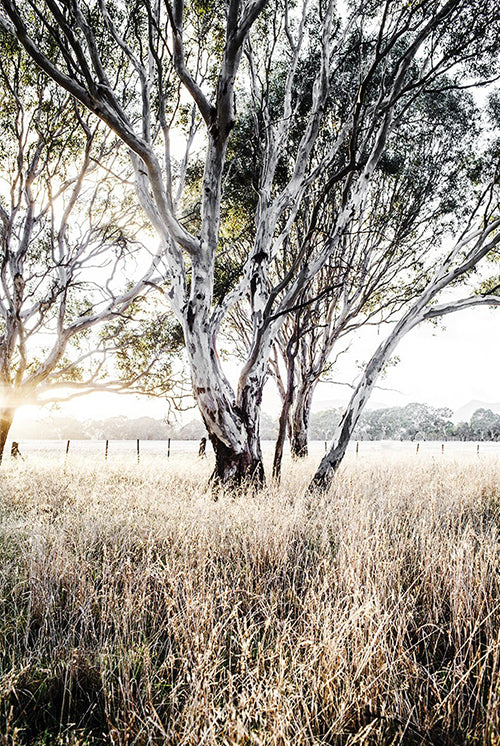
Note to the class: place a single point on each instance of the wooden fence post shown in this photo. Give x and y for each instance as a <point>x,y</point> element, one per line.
<point>67,450</point>
<point>357,447</point>
<point>138,451</point>
<point>106,451</point>
<point>418,446</point>
<point>168,448</point>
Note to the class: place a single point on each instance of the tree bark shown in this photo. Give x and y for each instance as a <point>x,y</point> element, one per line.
<point>280,441</point>
<point>284,422</point>
<point>232,426</point>
<point>6,418</point>
<point>249,403</point>
<point>343,433</point>
<point>233,468</point>
<point>300,420</point>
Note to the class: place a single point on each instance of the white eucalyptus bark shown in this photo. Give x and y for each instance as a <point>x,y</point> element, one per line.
<point>345,428</point>
<point>35,292</point>
<point>233,419</point>
<point>420,311</point>
<point>232,422</point>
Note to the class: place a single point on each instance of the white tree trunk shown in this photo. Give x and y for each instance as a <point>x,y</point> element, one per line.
<point>233,427</point>
<point>345,428</point>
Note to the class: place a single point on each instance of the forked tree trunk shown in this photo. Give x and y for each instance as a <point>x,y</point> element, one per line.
<point>240,462</point>
<point>233,427</point>
<point>6,418</point>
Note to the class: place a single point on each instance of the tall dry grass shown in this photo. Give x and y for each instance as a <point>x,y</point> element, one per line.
<point>136,610</point>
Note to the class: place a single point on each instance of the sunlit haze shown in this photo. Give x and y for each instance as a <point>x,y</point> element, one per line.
<point>448,365</point>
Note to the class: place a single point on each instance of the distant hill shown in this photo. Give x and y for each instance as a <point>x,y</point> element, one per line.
<point>465,413</point>
<point>58,427</point>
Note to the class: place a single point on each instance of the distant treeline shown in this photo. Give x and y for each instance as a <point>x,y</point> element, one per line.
<point>58,427</point>
<point>113,428</point>
<point>413,422</point>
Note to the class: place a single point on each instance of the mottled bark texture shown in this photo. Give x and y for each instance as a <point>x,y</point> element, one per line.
<point>232,425</point>
<point>393,72</point>
<point>300,421</point>
<point>234,469</point>
<point>345,428</point>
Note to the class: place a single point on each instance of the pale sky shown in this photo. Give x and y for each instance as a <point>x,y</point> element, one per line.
<point>447,366</point>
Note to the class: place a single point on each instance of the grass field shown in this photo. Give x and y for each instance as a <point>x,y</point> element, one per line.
<point>136,610</point>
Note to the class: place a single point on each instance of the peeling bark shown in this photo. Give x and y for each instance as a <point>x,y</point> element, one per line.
<point>483,240</point>
<point>331,462</point>
<point>234,469</point>
<point>232,426</point>
<point>251,411</point>
<point>232,420</point>
<point>343,433</point>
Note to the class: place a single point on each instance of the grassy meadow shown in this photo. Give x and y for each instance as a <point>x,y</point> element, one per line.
<point>136,610</point>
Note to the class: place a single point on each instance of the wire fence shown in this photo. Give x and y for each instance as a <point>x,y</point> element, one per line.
<point>140,449</point>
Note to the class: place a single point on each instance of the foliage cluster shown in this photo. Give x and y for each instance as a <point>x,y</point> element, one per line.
<point>412,422</point>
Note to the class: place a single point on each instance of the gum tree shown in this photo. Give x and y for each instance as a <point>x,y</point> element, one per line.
<point>68,245</point>
<point>473,246</point>
<point>417,194</point>
<point>129,63</point>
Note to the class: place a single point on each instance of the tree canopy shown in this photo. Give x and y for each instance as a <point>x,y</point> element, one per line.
<point>71,243</point>
<point>336,99</point>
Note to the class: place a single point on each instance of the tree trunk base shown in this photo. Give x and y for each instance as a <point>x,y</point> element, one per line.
<point>233,470</point>
<point>298,447</point>
<point>327,469</point>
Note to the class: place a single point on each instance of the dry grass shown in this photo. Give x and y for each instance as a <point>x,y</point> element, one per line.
<point>136,610</point>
